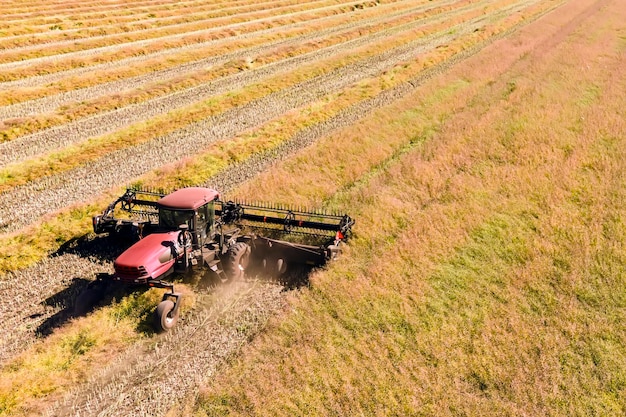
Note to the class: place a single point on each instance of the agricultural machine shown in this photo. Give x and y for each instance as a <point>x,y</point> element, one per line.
<point>192,228</point>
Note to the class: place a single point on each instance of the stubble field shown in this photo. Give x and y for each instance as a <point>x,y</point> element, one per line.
<point>479,145</point>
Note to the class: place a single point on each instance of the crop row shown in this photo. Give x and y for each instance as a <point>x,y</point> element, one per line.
<point>211,61</point>
<point>307,57</point>
<point>75,25</point>
<point>144,41</point>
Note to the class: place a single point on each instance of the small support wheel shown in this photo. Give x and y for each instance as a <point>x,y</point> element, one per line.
<point>166,315</point>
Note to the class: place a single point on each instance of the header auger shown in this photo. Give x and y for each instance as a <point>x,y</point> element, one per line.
<point>192,228</point>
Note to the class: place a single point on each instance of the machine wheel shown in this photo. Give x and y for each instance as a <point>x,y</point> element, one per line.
<point>165,316</point>
<point>237,260</point>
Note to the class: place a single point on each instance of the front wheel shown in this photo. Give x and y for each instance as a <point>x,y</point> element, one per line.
<point>165,315</point>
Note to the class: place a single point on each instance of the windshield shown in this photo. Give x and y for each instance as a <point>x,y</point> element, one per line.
<point>172,219</point>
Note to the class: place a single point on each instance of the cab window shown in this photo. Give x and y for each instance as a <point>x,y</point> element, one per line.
<point>172,219</point>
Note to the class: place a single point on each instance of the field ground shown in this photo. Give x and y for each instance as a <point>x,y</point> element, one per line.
<point>479,145</point>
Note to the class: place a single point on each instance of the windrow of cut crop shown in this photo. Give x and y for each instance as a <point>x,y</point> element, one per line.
<point>229,62</point>
<point>151,40</point>
<point>222,42</point>
<point>78,26</point>
<point>111,15</point>
<point>68,159</point>
<point>46,9</point>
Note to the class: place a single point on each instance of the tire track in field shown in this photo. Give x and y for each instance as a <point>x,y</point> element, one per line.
<point>85,182</point>
<point>174,365</point>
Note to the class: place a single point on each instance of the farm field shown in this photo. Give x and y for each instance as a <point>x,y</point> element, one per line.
<point>478,143</point>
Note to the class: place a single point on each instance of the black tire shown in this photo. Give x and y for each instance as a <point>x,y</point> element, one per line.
<point>86,300</point>
<point>165,316</point>
<point>237,260</point>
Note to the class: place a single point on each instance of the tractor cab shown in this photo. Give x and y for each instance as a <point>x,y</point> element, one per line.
<point>194,207</point>
<point>184,219</point>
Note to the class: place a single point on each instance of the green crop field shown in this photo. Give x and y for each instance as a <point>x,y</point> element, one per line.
<point>479,144</point>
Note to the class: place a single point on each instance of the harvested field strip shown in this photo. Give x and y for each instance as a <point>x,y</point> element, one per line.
<point>213,333</point>
<point>108,56</point>
<point>229,58</point>
<point>84,26</point>
<point>42,372</point>
<point>146,41</point>
<point>19,126</point>
<point>120,358</point>
<point>192,54</point>
<point>48,11</point>
<point>113,14</point>
<point>52,7</point>
<point>110,34</point>
<point>476,299</point>
<point>69,158</point>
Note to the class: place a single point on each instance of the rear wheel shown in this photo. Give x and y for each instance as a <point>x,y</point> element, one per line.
<point>237,260</point>
<point>165,315</point>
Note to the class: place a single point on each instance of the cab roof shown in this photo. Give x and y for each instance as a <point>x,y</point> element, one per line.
<point>188,198</point>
